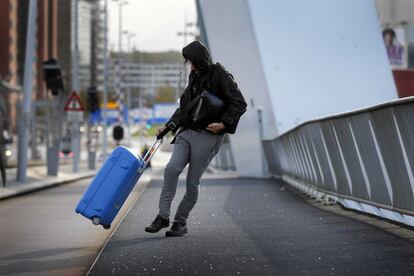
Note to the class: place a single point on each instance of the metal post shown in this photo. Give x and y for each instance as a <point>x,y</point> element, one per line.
<point>119,84</point>
<point>105,91</point>
<point>140,99</point>
<point>75,55</point>
<point>185,33</point>
<point>55,107</point>
<point>120,96</point>
<point>89,140</point>
<point>129,91</point>
<point>118,78</point>
<point>27,93</point>
<point>35,155</point>
<point>265,169</point>
<point>35,130</point>
<point>120,30</point>
<point>129,114</point>
<point>75,87</point>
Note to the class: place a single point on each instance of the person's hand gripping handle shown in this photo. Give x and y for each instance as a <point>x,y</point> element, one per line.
<point>162,131</point>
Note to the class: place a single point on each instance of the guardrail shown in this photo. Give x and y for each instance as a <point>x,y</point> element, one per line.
<point>363,159</point>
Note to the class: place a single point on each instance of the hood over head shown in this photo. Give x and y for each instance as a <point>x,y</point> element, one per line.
<point>198,54</point>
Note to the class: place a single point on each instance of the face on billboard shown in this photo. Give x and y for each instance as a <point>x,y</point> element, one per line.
<point>394,40</point>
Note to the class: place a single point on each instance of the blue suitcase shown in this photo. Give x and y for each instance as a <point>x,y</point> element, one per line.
<point>112,184</point>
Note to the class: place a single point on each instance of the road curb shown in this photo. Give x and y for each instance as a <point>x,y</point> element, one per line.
<point>26,188</point>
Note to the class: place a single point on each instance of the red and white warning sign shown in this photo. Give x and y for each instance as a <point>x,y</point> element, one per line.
<point>74,107</point>
<point>74,103</point>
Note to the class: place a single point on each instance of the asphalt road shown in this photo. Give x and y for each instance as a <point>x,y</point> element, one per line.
<point>252,227</point>
<point>40,234</point>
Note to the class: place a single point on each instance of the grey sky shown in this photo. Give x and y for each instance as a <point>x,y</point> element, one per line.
<point>154,22</point>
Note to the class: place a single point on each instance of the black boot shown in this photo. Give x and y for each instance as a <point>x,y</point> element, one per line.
<point>177,229</point>
<point>157,225</point>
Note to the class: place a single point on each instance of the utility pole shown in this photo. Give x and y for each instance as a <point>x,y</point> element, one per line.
<point>119,84</point>
<point>185,33</point>
<point>75,86</point>
<point>27,93</point>
<point>118,78</point>
<point>140,100</point>
<point>52,74</point>
<point>105,89</point>
<point>129,36</point>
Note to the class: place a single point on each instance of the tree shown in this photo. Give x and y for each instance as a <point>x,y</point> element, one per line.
<point>165,95</point>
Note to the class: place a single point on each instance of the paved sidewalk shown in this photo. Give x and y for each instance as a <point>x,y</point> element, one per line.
<point>37,179</point>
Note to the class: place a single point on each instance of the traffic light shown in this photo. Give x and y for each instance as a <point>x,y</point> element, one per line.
<point>53,76</point>
<point>66,145</point>
<point>118,133</point>
<point>93,99</point>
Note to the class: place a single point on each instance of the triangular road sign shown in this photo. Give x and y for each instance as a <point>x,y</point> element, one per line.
<point>74,103</point>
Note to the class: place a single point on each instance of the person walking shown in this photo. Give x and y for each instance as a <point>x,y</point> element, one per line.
<point>196,143</point>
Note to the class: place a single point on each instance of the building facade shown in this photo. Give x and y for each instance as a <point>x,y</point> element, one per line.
<point>47,46</point>
<point>97,45</point>
<point>398,16</point>
<point>8,61</point>
<point>395,12</point>
<point>54,35</point>
<point>149,77</point>
<point>90,42</point>
<point>13,30</point>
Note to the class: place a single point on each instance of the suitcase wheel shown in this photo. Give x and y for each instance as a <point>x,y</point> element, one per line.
<point>106,226</point>
<point>96,220</point>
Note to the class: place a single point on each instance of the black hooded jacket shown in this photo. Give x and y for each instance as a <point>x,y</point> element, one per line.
<point>218,80</point>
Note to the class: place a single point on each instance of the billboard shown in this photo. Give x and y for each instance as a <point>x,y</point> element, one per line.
<point>394,40</point>
<point>163,112</point>
<point>158,114</point>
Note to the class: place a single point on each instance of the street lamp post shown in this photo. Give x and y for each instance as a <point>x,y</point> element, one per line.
<point>184,34</point>
<point>75,86</point>
<point>118,79</point>
<point>27,93</point>
<point>129,36</point>
<point>105,88</point>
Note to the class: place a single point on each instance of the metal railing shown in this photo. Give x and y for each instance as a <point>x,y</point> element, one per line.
<point>224,159</point>
<point>363,159</point>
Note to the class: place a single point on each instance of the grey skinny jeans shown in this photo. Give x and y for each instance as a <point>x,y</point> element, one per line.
<point>196,149</point>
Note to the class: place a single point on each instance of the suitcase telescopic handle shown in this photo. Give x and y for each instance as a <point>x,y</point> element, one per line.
<point>151,151</point>
<point>163,133</point>
<point>170,126</point>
